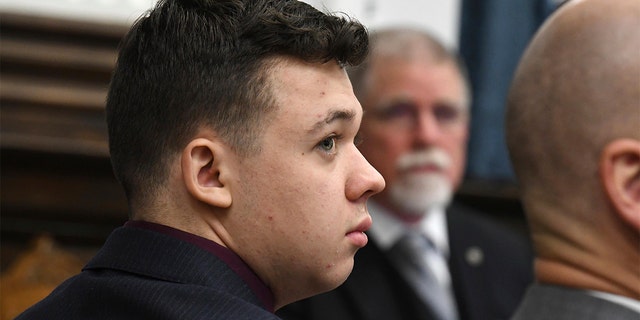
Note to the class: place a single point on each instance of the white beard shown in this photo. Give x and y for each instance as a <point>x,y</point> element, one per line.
<point>417,193</point>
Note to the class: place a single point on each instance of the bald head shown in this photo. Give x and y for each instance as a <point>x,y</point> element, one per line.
<point>573,133</point>
<point>576,89</point>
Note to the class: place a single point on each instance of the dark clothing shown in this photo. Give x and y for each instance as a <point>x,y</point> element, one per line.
<point>149,274</point>
<point>490,269</point>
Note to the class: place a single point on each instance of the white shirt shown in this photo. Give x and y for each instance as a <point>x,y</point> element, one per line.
<point>632,304</point>
<point>387,229</point>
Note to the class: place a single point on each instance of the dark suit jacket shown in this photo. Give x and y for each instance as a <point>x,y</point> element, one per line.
<point>142,274</point>
<point>490,268</point>
<point>544,302</point>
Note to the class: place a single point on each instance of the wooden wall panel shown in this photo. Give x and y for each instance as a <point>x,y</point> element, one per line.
<point>55,172</point>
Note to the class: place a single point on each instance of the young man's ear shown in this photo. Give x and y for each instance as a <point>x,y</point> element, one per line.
<point>620,174</point>
<point>204,167</point>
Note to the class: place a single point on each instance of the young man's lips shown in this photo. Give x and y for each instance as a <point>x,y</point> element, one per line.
<point>357,236</point>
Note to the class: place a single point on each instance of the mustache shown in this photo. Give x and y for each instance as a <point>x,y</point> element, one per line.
<point>431,157</point>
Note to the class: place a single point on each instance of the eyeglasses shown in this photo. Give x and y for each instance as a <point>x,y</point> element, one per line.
<point>405,115</point>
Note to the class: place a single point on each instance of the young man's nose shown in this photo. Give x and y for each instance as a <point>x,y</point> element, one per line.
<point>365,181</point>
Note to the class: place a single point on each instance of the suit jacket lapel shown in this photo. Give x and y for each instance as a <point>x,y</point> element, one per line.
<point>466,266</point>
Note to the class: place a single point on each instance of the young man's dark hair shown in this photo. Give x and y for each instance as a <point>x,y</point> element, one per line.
<point>196,63</point>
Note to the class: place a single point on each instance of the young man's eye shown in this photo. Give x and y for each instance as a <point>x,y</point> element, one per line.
<point>328,144</point>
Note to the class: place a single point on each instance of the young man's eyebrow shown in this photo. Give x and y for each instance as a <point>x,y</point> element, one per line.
<point>332,116</point>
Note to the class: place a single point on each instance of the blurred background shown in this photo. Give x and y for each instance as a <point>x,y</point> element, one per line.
<point>58,197</point>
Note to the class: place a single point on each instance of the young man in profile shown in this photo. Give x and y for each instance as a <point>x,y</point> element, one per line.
<point>415,129</point>
<point>231,128</point>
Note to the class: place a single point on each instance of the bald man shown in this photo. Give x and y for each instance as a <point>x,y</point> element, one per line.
<point>573,132</point>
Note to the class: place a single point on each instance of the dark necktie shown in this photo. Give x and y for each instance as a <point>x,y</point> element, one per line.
<point>413,254</point>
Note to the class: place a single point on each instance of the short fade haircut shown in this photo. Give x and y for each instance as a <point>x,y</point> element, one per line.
<point>192,64</point>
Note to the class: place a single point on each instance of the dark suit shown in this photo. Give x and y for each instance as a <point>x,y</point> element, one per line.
<point>490,269</point>
<point>544,302</point>
<point>142,274</point>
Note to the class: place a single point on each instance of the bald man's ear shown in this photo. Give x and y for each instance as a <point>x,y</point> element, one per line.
<point>620,174</point>
<point>204,167</point>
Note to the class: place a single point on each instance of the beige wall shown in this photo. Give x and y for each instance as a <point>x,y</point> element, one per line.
<point>439,17</point>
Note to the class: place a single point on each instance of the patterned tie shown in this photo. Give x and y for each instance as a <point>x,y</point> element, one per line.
<point>413,254</point>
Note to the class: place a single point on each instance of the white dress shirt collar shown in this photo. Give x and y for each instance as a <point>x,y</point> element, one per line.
<point>632,304</point>
<point>387,228</point>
